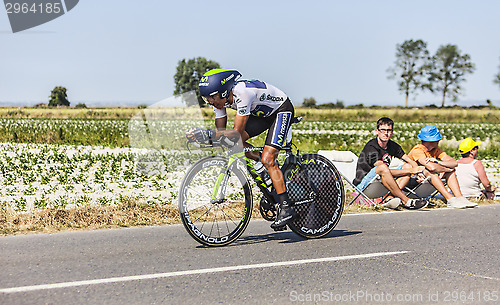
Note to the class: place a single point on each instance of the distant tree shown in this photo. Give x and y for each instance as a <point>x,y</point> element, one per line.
<point>40,105</point>
<point>356,106</point>
<point>497,78</point>
<point>189,73</point>
<point>58,97</point>
<point>309,102</point>
<point>409,68</point>
<point>81,105</point>
<point>447,72</point>
<point>337,105</point>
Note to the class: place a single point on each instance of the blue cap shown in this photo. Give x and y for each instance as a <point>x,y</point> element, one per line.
<point>429,133</point>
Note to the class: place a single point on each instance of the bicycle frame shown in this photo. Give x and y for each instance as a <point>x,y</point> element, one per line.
<point>220,185</point>
<point>238,154</point>
<point>217,182</point>
<point>218,192</point>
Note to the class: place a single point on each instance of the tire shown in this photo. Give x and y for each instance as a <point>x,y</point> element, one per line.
<point>322,199</point>
<point>214,223</point>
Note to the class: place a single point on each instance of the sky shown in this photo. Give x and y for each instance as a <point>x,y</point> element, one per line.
<point>118,52</point>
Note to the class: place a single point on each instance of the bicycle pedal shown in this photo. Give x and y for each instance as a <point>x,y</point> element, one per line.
<point>279,229</point>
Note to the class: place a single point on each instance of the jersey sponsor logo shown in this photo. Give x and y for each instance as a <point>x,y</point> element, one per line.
<point>275,98</point>
<point>242,110</point>
<point>280,140</point>
<point>262,97</point>
<point>285,120</point>
<point>262,111</point>
<point>281,128</point>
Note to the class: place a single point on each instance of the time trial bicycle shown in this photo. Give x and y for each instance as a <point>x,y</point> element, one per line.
<point>216,201</point>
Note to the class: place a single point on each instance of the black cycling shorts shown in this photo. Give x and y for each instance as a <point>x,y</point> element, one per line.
<point>277,125</point>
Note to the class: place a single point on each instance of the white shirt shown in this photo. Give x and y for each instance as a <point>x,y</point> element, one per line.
<point>253,97</point>
<point>468,179</point>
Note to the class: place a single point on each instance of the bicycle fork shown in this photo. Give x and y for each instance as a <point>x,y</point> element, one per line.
<point>219,191</point>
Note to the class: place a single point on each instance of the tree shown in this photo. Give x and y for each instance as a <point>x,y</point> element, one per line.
<point>337,105</point>
<point>409,68</point>
<point>81,106</point>
<point>58,97</point>
<point>497,77</point>
<point>309,102</point>
<point>447,71</point>
<point>189,73</point>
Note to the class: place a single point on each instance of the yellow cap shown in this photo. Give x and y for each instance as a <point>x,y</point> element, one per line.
<point>467,145</point>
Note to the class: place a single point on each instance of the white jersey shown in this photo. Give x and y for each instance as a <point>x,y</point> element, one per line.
<point>253,97</point>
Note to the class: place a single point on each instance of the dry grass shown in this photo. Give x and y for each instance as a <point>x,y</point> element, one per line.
<point>130,214</point>
<point>362,114</point>
<point>87,218</point>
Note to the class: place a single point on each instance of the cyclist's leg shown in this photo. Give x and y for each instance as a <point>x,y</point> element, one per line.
<point>276,138</point>
<point>269,159</point>
<point>285,211</point>
<point>254,127</point>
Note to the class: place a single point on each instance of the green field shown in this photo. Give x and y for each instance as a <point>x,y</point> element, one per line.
<point>72,168</point>
<point>341,129</point>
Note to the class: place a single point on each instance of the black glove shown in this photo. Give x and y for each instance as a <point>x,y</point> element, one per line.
<point>204,136</point>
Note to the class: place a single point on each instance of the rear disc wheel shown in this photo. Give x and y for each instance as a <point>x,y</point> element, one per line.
<point>317,191</point>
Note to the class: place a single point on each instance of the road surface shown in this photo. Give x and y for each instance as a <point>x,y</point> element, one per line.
<point>443,256</point>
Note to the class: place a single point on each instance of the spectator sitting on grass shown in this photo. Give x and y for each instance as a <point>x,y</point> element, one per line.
<point>440,166</point>
<point>471,173</point>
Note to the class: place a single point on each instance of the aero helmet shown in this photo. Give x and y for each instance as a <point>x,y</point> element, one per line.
<point>219,81</point>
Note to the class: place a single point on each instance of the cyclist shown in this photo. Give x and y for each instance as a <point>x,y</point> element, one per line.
<point>259,107</point>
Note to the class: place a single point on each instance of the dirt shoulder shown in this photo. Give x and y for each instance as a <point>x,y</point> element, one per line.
<point>126,215</point>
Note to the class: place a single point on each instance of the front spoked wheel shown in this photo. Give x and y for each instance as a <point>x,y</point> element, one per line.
<point>318,192</point>
<point>215,202</point>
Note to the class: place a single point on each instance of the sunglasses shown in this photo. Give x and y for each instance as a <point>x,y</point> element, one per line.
<point>385,130</point>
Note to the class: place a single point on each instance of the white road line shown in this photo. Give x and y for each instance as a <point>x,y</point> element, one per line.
<point>192,272</point>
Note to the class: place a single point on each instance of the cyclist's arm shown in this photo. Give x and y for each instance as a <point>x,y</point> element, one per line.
<point>240,121</point>
<point>220,123</point>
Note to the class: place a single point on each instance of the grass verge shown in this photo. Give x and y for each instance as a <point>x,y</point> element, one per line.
<point>129,214</point>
